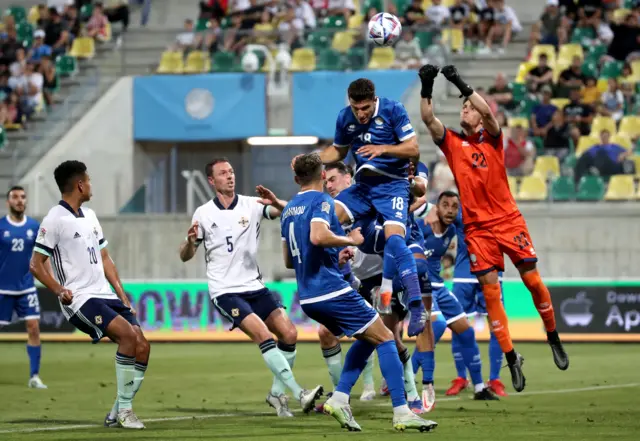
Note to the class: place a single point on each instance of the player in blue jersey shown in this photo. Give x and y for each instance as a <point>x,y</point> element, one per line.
<point>312,237</point>
<point>17,289</point>
<point>438,237</point>
<point>469,292</point>
<point>380,135</point>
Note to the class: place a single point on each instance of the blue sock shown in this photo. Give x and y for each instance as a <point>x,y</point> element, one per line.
<point>439,326</point>
<point>406,266</point>
<point>34,353</point>
<point>495,358</point>
<point>392,371</point>
<point>389,268</point>
<point>471,355</point>
<point>354,363</point>
<point>415,361</point>
<point>428,364</point>
<point>456,350</point>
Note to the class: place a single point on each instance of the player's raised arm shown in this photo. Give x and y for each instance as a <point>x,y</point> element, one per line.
<point>273,205</point>
<point>428,74</point>
<point>322,236</point>
<point>333,153</point>
<point>489,121</point>
<point>189,245</point>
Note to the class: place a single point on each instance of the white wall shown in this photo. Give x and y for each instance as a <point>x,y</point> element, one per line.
<point>103,140</point>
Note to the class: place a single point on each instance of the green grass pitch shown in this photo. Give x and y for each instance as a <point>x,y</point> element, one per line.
<point>216,392</point>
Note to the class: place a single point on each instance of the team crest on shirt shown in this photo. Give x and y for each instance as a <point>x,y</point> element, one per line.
<point>446,242</point>
<point>6,234</point>
<point>42,233</point>
<point>95,231</point>
<point>243,221</point>
<point>29,233</point>
<point>325,207</point>
<point>379,121</point>
<point>98,319</point>
<point>473,259</point>
<point>351,128</point>
<point>235,312</point>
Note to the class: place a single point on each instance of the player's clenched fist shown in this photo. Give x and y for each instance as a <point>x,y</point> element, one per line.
<point>428,72</point>
<point>356,236</point>
<point>65,296</point>
<point>451,73</point>
<point>192,234</point>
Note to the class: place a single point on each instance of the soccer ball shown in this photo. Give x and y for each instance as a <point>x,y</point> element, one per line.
<point>250,62</point>
<point>384,29</point>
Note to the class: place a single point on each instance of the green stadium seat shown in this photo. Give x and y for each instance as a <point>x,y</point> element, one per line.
<point>563,189</point>
<point>318,40</point>
<point>519,91</point>
<point>356,58</point>
<point>583,36</point>
<point>538,141</point>
<point>526,106</point>
<point>225,22</point>
<point>3,138</point>
<point>18,12</point>
<point>334,22</point>
<point>329,59</point>
<point>611,69</point>
<point>86,10</point>
<point>401,6</point>
<point>425,39</point>
<point>378,4</point>
<point>24,33</point>
<point>202,24</point>
<point>590,188</point>
<point>224,62</point>
<point>66,65</point>
<point>595,52</point>
<point>590,69</point>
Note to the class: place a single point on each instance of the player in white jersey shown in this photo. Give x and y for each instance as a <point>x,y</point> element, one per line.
<point>71,238</point>
<point>229,228</point>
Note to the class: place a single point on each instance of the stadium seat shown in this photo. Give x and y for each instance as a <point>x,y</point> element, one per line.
<point>263,34</point>
<point>402,5</point>
<point>560,103</point>
<point>107,33</point>
<point>611,69</point>
<point>66,65</point>
<point>547,49</point>
<point>197,62</point>
<point>342,41</point>
<point>563,189</point>
<point>83,47</point>
<point>620,13</point>
<point>622,140</point>
<point>3,138</point>
<point>355,21</point>
<point>170,63</point>
<point>583,36</point>
<point>356,58</point>
<point>329,59</point>
<point>590,188</point>
<point>561,66</point>
<point>366,4</point>
<point>513,185</point>
<point>202,24</point>
<point>382,58</point>
<point>590,69</point>
<point>425,39</point>
<point>635,68</point>
<point>518,90</point>
<point>602,85</point>
<point>24,33</point>
<point>86,10</point>
<point>426,4</point>
<point>532,188</point>
<point>224,62</point>
<point>523,70</point>
<point>34,15</point>
<point>568,51</point>
<point>636,161</point>
<point>303,60</point>
<point>621,188</point>
<point>630,125</point>
<point>334,22</point>
<point>601,123</point>
<point>453,38</point>
<point>585,143</point>
<point>546,166</point>
<point>517,121</point>
<point>18,13</point>
<point>595,52</point>
<point>318,40</point>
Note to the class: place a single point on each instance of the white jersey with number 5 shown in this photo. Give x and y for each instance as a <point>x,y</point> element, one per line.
<point>230,238</point>
<point>73,243</point>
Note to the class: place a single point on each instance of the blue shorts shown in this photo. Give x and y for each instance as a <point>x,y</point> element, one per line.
<point>415,238</point>
<point>471,297</point>
<point>445,303</point>
<point>236,307</point>
<point>26,307</point>
<point>347,314</point>
<point>94,316</point>
<point>373,233</point>
<point>377,195</point>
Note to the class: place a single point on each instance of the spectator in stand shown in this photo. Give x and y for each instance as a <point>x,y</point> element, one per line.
<point>505,26</point>
<point>212,36</point>
<point>50,79</point>
<point>519,153</point>
<point>28,86</point>
<point>442,177</point>
<point>119,12</point>
<point>542,113</point>
<point>304,12</point>
<point>590,92</point>
<point>43,15</point>
<point>460,14</point>
<point>485,23</point>
<point>17,67</point>
<point>540,75</point>
<point>71,22</point>
<point>605,159</point>
<point>187,39</point>
<point>552,28</point>
<point>14,111</point>
<point>97,26</point>
<point>215,9</point>
<point>501,92</point>
<point>56,35</point>
<point>408,52</point>
<point>38,48</point>
<point>334,8</point>
<point>414,15</point>
<point>438,14</point>
<point>572,76</point>
<point>626,40</point>
<point>5,90</point>
<point>630,97</point>
<point>577,113</point>
<point>612,101</point>
<point>10,47</point>
<point>290,28</point>
<point>558,136</point>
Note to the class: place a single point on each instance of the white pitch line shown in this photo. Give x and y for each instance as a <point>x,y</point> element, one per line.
<point>250,414</point>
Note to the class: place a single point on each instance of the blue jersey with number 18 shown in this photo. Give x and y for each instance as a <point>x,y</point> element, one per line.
<point>389,125</point>
<point>317,271</point>
<point>16,246</point>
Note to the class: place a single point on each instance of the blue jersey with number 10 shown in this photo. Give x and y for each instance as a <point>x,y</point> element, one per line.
<point>16,247</point>
<point>389,125</point>
<point>317,270</point>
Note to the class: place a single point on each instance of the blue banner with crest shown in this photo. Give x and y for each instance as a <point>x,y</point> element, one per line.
<point>208,107</point>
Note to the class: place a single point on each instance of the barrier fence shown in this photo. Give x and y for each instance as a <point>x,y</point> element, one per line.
<point>178,310</point>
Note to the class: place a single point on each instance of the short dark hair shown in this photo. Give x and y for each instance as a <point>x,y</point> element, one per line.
<point>447,194</point>
<point>66,173</point>
<point>361,89</point>
<point>543,55</point>
<point>342,168</point>
<point>208,169</point>
<point>308,168</point>
<point>14,188</point>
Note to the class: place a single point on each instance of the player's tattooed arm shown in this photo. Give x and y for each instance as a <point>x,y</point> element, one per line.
<point>188,247</point>
<point>111,273</point>
<point>41,270</point>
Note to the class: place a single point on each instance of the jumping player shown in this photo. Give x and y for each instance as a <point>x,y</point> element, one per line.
<point>493,225</point>
<point>17,289</point>
<point>312,235</point>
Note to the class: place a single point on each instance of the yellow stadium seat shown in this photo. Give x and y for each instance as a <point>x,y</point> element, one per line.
<point>342,41</point>
<point>547,49</point>
<point>635,68</point>
<point>636,161</point>
<point>560,103</point>
<point>34,15</point>
<point>622,140</point>
<point>107,34</point>
<point>263,33</point>
<point>454,38</point>
<point>621,188</point>
<point>532,188</point>
<point>519,121</point>
<point>382,58</point>
<point>426,4</point>
<point>83,47</point>
<point>303,60</point>
<point>630,125</point>
<point>523,70</point>
<point>197,62</point>
<point>355,21</point>
<point>568,51</point>
<point>561,66</point>
<point>620,13</point>
<point>448,3</point>
<point>546,166</point>
<point>603,85</point>
<point>601,123</point>
<point>513,185</point>
<point>585,143</point>
<point>171,62</point>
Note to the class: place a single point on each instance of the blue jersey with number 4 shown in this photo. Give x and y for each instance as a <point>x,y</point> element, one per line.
<point>16,246</point>
<point>436,246</point>
<point>389,125</point>
<point>317,270</point>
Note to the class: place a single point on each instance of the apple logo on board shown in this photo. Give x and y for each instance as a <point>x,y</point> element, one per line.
<point>577,311</point>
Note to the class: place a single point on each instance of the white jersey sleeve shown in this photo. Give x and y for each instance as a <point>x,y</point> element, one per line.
<point>194,219</point>
<point>48,235</point>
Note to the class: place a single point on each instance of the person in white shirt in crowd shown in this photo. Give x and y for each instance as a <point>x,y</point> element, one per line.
<point>304,12</point>
<point>408,52</point>
<point>612,101</point>
<point>17,67</point>
<point>345,8</point>
<point>441,178</point>
<point>28,86</point>
<point>505,26</point>
<point>438,14</point>
<point>291,28</point>
<point>187,39</point>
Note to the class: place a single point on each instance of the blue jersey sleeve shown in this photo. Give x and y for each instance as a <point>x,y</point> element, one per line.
<point>401,125</point>
<point>341,138</point>
<point>422,170</point>
<point>323,210</point>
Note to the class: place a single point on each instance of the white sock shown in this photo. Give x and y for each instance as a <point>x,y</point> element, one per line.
<point>401,410</point>
<point>386,286</point>
<point>478,387</point>
<point>340,397</point>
